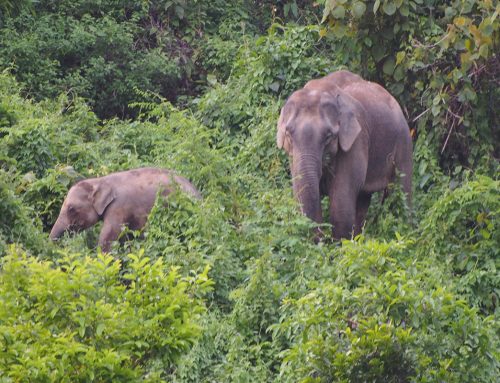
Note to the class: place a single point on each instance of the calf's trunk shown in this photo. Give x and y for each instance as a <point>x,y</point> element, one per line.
<point>58,229</point>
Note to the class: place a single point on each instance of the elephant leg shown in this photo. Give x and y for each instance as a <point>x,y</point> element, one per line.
<point>109,233</point>
<point>362,205</point>
<point>342,215</point>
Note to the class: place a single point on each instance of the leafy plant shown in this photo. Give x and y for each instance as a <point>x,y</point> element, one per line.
<point>403,302</point>
<point>383,318</point>
<point>77,320</point>
<point>438,59</point>
<point>461,227</point>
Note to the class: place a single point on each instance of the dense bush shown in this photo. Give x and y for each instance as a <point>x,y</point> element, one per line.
<point>231,288</point>
<point>385,317</point>
<point>95,60</point>
<point>103,51</point>
<point>272,65</point>
<point>440,59</point>
<point>461,228</point>
<point>78,321</point>
<point>16,226</point>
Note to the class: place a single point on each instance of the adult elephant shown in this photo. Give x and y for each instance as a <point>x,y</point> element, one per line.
<point>346,139</point>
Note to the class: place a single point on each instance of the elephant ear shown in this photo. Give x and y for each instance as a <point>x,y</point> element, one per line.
<point>329,111</point>
<point>286,116</point>
<point>102,195</point>
<point>349,123</point>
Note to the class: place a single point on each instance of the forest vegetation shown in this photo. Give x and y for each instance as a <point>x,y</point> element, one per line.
<point>233,288</point>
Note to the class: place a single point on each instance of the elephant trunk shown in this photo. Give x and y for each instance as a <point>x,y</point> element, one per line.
<point>306,174</point>
<point>58,229</point>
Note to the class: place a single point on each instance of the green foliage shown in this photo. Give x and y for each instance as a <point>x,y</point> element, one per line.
<point>45,195</point>
<point>462,228</point>
<point>384,317</point>
<point>94,59</point>
<point>15,223</point>
<point>77,321</point>
<point>406,301</point>
<point>273,65</point>
<point>104,50</point>
<point>13,7</point>
<point>439,59</point>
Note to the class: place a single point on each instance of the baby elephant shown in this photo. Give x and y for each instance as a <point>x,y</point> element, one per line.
<point>119,199</point>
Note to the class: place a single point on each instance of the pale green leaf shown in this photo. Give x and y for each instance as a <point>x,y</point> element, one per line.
<point>358,9</point>
<point>389,8</point>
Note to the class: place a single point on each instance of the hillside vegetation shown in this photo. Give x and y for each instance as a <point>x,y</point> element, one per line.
<point>233,288</point>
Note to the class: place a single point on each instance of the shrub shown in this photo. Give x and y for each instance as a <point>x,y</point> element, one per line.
<point>16,224</point>
<point>385,317</point>
<point>98,57</point>
<point>461,228</point>
<point>271,65</point>
<point>83,319</point>
<point>440,67</point>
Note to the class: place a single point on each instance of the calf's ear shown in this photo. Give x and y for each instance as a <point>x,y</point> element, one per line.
<point>102,195</point>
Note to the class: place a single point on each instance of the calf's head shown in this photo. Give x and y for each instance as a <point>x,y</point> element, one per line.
<point>84,205</point>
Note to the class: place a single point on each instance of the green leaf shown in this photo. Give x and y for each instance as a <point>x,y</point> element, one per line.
<point>484,51</point>
<point>404,10</point>
<point>486,28</point>
<point>485,233</point>
<point>399,73</point>
<point>376,5</point>
<point>389,8</point>
<point>400,56</point>
<point>99,329</point>
<point>211,79</point>
<point>179,11</point>
<point>358,9</point>
<point>286,9</point>
<point>450,12</point>
<point>54,312</point>
<point>389,65</point>
<point>378,51</point>
<point>339,30</point>
<point>338,12</point>
<point>275,86</point>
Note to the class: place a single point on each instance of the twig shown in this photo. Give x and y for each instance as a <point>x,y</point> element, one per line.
<point>418,44</point>
<point>448,136</point>
<point>453,124</point>
<point>421,114</point>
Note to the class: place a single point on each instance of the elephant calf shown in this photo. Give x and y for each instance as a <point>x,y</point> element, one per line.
<point>119,199</point>
<point>346,138</point>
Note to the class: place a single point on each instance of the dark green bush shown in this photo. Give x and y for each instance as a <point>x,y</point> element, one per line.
<point>386,317</point>
<point>272,65</point>
<point>438,59</point>
<point>99,57</point>
<point>16,224</point>
<point>403,302</point>
<point>461,228</point>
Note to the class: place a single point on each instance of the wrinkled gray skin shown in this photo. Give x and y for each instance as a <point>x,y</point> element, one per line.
<point>119,199</point>
<point>346,137</point>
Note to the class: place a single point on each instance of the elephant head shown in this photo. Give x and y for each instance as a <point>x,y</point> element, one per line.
<point>315,124</point>
<point>83,207</point>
